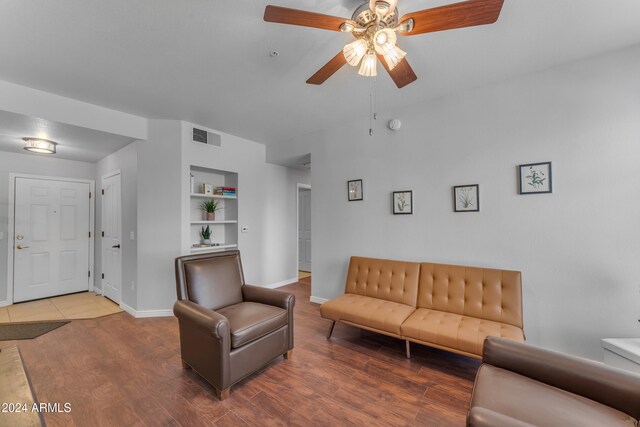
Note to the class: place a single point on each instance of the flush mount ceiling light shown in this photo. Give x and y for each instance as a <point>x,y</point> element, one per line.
<point>39,145</point>
<point>376,24</point>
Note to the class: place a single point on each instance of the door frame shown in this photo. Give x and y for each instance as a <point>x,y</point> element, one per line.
<point>105,176</point>
<point>11,218</point>
<point>299,186</point>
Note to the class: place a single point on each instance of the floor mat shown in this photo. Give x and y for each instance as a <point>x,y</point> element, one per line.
<point>27,330</point>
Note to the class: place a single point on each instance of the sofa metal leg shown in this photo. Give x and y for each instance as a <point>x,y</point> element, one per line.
<point>331,329</point>
<point>288,354</point>
<point>408,346</point>
<point>223,394</point>
<point>185,365</point>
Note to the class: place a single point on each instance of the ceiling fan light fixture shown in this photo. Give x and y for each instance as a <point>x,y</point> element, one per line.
<point>394,56</point>
<point>353,52</point>
<point>384,40</point>
<point>382,8</point>
<point>368,66</point>
<point>41,146</point>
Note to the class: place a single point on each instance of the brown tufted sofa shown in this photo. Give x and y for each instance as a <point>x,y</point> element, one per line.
<point>448,307</point>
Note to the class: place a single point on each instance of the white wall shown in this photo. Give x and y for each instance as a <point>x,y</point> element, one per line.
<point>578,248</point>
<point>159,211</point>
<point>125,160</point>
<point>36,165</point>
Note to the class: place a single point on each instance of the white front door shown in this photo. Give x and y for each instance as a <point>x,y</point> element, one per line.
<point>111,227</point>
<point>304,230</point>
<point>51,238</point>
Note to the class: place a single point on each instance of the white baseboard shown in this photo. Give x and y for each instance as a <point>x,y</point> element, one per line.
<point>318,300</point>
<point>4,303</point>
<point>283,283</point>
<point>140,314</point>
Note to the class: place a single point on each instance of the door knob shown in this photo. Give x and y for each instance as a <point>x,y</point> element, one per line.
<point>19,237</point>
<point>116,246</point>
<point>22,246</point>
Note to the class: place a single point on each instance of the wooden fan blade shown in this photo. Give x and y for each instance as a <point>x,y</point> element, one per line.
<point>458,15</point>
<point>328,70</point>
<point>402,74</point>
<point>284,15</point>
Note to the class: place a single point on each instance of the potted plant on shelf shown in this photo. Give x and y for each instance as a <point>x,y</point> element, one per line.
<point>206,236</point>
<point>210,207</point>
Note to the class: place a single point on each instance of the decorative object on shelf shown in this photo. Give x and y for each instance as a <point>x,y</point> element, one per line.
<point>206,235</point>
<point>466,198</point>
<point>210,207</point>
<point>225,191</point>
<point>535,178</point>
<point>207,189</point>
<point>192,183</point>
<point>376,24</point>
<point>403,202</point>
<point>355,190</point>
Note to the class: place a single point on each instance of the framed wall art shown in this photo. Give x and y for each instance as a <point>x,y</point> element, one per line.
<point>535,178</point>
<point>402,202</point>
<point>466,198</point>
<point>354,189</point>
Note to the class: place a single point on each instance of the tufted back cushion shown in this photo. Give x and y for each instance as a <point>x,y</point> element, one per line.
<point>395,281</point>
<point>482,293</point>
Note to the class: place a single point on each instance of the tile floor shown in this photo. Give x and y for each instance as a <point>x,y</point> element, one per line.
<point>85,305</point>
<point>303,274</point>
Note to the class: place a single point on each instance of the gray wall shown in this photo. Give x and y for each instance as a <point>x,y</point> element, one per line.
<point>578,248</point>
<point>35,165</point>
<point>126,160</point>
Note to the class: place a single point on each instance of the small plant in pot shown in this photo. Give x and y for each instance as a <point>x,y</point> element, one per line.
<point>206,235</point>
<point>210,207</point>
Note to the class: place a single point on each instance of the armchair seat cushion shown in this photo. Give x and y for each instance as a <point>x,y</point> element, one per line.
<point>249,321</point>
<point>451,330</point>
<point>376,313</point>
<point>511,395</point>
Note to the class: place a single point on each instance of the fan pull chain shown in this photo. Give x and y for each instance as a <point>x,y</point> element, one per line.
<point>373,115</point>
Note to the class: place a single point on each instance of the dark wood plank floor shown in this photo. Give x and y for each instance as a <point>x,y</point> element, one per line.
<point>121,371</point>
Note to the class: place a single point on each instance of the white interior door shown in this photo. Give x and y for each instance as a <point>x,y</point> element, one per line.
<point>111,227</point>
<point>51,238</point>
<point>304,230</point>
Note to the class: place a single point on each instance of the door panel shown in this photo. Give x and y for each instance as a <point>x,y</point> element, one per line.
<point>111,227</point>
<point>51,241</point>
<point>304,230</point>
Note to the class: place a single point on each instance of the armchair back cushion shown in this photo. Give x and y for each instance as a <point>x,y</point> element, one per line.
<point>395,281</point>
<point>210,280</point>
<point>482,293</point>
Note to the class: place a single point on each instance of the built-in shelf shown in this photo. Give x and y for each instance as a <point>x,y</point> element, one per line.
<point>230,221</point>
<point>199,249</point>
<point>212,196</point>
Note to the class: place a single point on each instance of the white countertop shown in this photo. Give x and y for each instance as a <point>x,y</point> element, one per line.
<point>629,348</point>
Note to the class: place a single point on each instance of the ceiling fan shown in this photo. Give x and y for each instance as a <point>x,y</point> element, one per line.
<point>375,26</point>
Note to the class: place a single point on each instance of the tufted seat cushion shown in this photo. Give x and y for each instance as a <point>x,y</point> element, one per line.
<point>366,311</point>
<point>454,331</point>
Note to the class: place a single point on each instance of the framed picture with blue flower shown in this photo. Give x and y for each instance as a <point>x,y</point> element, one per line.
<point>535,178</point>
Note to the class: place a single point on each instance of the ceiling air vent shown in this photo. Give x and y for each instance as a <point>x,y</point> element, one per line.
<point>208,138</point>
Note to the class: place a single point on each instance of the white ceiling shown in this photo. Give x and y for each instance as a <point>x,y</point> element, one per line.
<point>207,61</point>
<point>74,143</point>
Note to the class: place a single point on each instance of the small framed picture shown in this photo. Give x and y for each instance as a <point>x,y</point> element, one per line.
<point>207,189</point>
<point>402,202</point>
<point>535,178</point>
<point>466,198</point>
<point>354,188</point>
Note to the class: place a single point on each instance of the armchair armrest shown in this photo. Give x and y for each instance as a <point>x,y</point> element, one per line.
<point>610,386</point>
<point>268,296</point>
<point>481,417</point>
<point>202,318</point>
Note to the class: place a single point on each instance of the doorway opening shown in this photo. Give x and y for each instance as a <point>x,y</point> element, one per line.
<point>304,232</point>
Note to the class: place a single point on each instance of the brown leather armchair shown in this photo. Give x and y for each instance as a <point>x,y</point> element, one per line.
<point>228,329</point>
<point>521,385</point>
